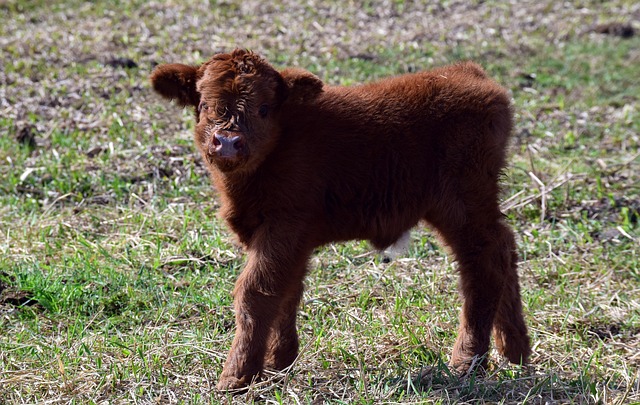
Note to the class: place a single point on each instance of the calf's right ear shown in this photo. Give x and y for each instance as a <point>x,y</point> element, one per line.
<point>176,81</point>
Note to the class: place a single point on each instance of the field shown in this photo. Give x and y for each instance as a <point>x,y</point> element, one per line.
<point>116,273</point>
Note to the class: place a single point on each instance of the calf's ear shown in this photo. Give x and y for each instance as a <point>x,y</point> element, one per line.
<point>301,84</point>
<point>176,81</point>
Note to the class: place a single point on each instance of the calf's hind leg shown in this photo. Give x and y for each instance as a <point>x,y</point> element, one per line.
<point>484,248</point>
<point>509,329</point>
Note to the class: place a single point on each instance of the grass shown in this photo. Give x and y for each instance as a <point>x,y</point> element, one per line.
<point>115,272</point>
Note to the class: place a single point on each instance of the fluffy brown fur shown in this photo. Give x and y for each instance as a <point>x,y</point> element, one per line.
<point>299,164</point>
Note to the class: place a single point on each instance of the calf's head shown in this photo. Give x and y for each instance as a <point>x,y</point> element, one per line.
<point>237,99</point>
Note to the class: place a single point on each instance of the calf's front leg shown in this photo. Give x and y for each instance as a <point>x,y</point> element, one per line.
<point>282,346</point>
<point>262,291</point>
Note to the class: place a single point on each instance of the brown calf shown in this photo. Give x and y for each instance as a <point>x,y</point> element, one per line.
<point>299,164</point>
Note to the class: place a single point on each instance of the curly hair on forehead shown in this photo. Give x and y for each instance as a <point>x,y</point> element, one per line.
<point>241,61</point>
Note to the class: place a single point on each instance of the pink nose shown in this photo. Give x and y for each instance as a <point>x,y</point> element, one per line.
<point>226,146</point>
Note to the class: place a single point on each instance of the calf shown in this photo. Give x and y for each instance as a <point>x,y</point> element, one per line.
<point>299,164</point>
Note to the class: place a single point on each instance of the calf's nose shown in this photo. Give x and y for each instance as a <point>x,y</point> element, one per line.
<point>226,146</point>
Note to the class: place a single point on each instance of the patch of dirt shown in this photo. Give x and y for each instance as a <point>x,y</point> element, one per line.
<point>608,210</point>
<point>27,136</point>
<point>17,298</point>
<point>604,331</point>
<point>121,63</point>
<point>624,30</point>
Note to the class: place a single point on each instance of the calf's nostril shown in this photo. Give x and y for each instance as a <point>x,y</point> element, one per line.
<point>217,139</point>
<point>211,148</point>
<point>237,143</point>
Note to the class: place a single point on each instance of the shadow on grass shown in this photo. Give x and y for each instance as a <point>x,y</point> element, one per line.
<point>511,385</point>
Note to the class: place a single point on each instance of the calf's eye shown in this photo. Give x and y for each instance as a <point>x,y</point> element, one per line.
<point>203,106</point>
<point>263,111</point>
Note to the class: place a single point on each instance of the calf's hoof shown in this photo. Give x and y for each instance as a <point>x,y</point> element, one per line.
<point>231,383</point>
<point>467,365</point>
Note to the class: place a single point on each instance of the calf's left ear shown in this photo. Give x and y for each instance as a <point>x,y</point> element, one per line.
<point>301,84</point>
<point>176,81</point>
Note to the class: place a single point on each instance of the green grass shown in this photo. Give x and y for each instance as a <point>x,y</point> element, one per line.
<point>116,273</point>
